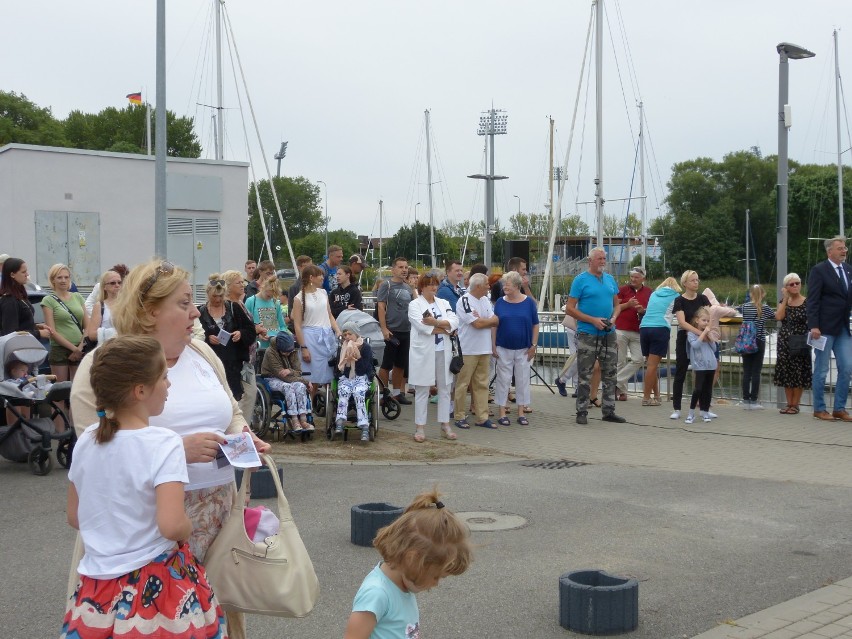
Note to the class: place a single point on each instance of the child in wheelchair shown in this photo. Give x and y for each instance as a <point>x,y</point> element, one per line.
<point>355,364</point>
<point>283,373</point>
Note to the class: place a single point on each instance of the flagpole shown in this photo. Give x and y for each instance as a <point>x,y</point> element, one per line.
<point>160,219</point>
<point>148,125</point>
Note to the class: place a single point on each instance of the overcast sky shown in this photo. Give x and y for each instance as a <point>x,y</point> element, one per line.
<point>347,84</point>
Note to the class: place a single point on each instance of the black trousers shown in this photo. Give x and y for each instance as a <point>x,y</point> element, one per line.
<point>681,368</point>
<point>703,390</point>
<point>752,365</point>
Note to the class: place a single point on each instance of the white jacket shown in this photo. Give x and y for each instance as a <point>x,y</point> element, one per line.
<point>421,354</point>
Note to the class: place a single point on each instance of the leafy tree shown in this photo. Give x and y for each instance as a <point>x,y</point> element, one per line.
<point>403,243</point>
<point>314,245</point>
<point>299,199</point>
<point>573,225</point>
<point>22,121</point>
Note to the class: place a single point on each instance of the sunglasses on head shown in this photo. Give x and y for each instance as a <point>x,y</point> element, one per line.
<point>165,268</point>
<point>217,282</point>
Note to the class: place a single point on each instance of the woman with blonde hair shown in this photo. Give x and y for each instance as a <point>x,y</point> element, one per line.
<point>654,332</point>
<point>685,306</point>
<point>156,300</point>
<point>757,312</point>
<point>65,316</point>
<point>100,326</point>
<point>793,369</point>
<point>235,287</point>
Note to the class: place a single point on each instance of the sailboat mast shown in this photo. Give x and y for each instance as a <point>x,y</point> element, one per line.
<point>554,219</point>
<point>220,124</point>
<point>839,152</point>
<point>429,189</point>
<point>599,120</point>
<point>642,182</point>
<point>381,234</point>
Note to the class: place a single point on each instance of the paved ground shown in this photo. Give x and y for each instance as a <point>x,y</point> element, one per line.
<point>725,527</point>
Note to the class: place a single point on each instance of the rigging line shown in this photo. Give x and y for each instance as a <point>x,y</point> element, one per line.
<point>631,68</point>
<point>259,139</point>
<point>544,189</point>
<point>583,128</point>
<point>620,80</point>
<point>191,29</point>
<point>415,170</point>
<point>826,72</point>
<point>627,202</point>
<point>199,58</point>
<point>561,191</point>
<point>655,163</point>
<point>845,113</point>
<point>199,75</point>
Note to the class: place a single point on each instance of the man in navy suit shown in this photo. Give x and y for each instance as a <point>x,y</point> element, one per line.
<point>828,305</point>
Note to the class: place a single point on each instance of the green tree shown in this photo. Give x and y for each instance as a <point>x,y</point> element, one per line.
<point>403,244</point>
<point>299,199</point>
<point>24,122</point>
<point>314,245</point>
<point>573,225</point>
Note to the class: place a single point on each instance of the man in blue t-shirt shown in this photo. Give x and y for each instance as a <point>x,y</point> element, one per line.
<point>593,302</point>
<point>329,267</point>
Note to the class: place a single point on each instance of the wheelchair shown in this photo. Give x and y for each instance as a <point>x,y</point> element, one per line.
<point>269,414</point>
<point>371,400</point>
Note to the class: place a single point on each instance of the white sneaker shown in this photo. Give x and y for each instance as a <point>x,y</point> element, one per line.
<point>711,415</point>
<point>707,418</point>
<point>689,419</point>
<point>745,404</point>
<point>365,435</point>
<point>675,415</point>
<point>756,406</point>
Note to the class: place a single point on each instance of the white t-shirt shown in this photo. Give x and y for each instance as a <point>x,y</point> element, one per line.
<point>474,341</point>
<point>316,311</point>
<point>197,404</point>
<point>116,484</point>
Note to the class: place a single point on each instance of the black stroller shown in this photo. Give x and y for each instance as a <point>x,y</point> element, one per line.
<point>33,404</point>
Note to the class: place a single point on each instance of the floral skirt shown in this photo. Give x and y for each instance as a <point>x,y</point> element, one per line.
<point>169,597</point>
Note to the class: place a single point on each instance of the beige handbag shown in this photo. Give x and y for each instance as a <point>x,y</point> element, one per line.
<point>272,577</point>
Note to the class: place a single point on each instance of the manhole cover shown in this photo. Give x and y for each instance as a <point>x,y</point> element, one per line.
<point>491,521</point>
<point>553,464</point>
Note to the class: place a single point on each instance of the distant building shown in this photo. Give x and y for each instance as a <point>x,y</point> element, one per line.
<point>93,209</point>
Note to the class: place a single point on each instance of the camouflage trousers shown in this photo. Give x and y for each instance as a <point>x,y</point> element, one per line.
<point>600,348</point>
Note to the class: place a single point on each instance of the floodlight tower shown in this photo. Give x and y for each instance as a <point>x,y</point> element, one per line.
<point>491,123</point>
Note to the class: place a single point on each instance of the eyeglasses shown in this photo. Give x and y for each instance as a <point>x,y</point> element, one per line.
<point>217,282</point>
<point>165,268</point>
<point>794,283</point>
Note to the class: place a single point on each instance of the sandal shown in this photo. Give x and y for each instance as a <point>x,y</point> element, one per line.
<point>504,421</point>
<point>794,410</point>
<point>523,421</point>
<point>786,410</point>
<point>654,402</point>
<point>419,435</point>
<point>646,402</point>
<point>447,433</point>
<point>595,402</point>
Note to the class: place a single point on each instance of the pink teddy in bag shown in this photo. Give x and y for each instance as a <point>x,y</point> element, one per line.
<point>260,523</point>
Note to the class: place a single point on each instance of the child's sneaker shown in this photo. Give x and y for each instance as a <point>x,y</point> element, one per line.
<point>707,418</point>
<point>675,415</point>
<point>338,428</point>
<point>365,434</point>
<point>689,418</point>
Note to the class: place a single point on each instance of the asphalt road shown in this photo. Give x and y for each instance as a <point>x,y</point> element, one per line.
<point>704,548</point>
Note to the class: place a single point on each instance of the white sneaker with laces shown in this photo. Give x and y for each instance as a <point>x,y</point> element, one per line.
<point>707,418</point>
<point>675,415</point>
<point>711,415</point>
<point>689,419</point>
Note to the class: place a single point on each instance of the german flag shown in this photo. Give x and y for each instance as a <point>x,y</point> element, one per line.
<point>135,98</point>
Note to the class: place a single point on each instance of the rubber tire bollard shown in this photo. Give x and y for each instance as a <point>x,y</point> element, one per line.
<point>262,486</point>
<point>595,602</point>
<point>367,519</point>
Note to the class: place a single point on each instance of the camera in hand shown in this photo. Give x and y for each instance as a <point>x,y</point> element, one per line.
<point>607,325</point>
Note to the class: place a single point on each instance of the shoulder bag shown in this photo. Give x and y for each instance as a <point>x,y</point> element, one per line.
<point>798,345</point>
<point>457,362</point>
<point>271,577</point>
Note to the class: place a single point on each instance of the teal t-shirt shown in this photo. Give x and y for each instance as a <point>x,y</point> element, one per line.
<point>397,615</point>
<point>268,314</point>
<point>595,298</point>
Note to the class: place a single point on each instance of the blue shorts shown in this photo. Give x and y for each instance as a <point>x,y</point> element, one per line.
<point>654,340</point>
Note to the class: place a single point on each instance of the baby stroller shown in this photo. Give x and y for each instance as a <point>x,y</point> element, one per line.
<point>370,330</point>
<point>33,407</point>
<point>370,400</point>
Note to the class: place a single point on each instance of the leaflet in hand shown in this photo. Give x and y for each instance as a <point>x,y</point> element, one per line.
<point>818,343</point>
<point>240,450</point>
<point>224,337</point>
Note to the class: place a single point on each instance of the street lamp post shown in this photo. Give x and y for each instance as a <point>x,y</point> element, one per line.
<point>491,123</point>
<point>325,201</point>
<point>786,51</point>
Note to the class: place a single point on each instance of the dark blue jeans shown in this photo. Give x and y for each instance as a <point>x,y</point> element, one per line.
<point>752,365</point>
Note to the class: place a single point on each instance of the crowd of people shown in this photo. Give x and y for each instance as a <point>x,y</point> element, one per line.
<point>151,343</point>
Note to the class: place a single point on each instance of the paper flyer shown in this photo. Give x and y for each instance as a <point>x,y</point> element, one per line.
<point>240,451</point>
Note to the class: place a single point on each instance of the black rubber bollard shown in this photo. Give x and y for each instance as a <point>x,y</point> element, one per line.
<point>368,518</point>
<point>262,486</point>
<point>595,602</point>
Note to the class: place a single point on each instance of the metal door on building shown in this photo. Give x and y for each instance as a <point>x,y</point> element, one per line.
<point>193,243</point>
<point>72,238</point>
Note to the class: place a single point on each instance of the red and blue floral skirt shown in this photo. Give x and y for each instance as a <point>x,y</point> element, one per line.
<point>169,597</point>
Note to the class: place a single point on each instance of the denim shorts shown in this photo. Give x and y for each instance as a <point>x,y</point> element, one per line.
<point>654,340</point>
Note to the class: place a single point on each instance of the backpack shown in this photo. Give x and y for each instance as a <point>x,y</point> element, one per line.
<point>746,342</point>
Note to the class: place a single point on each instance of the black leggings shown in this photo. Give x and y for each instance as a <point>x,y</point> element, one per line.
<point>681,368</point>
<point>703,390</point>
